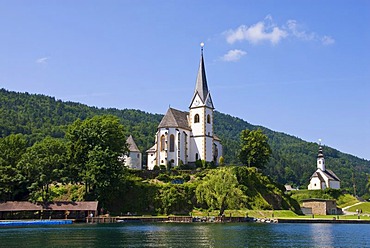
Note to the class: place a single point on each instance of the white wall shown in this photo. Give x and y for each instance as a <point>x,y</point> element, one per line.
<point>151,160</point>
<point>314,183</point>
<point>334,184</point>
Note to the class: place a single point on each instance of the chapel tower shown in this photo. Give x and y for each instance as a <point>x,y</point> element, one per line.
<point>321,160</point>
<point>201,118</point>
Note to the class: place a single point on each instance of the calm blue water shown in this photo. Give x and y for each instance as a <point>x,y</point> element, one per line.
<point>188,235</point>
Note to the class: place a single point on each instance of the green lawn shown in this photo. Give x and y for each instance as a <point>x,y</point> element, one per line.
<point>286,214</point>
<point>250,213</point>
<point>346,200</point>
<point>365,207</point>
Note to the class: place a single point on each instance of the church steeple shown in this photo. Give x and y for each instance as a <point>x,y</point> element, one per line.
<point>201,87</point>
<point>321,159</point>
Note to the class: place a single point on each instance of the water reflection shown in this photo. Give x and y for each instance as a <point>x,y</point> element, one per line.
<point>189,235</point>
<point>322,235</point>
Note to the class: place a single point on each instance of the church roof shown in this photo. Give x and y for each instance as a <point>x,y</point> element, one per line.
<point>152,149</point>
<point>132,145</point>
<point>175,118</point>
<point>318,174</point>
<point>332,175</point>
<point>327,173</point>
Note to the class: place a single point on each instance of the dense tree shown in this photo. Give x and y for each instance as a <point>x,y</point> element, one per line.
<point>254,149</point>
<point>95,145</point>
<point>174,199</point>
<point>44,164</point>
<point>12,148</point>
<point>219,189</point>
<point>38,116</point>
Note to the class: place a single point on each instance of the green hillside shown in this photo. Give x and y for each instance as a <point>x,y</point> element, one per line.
<point>293,160</point>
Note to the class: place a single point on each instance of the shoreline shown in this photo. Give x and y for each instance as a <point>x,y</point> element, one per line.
<point>181,219</point>
<point>329,221</point>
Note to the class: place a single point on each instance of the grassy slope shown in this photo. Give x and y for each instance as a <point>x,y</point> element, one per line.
<point>365,207</point>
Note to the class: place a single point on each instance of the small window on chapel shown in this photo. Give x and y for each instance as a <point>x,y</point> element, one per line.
<point>208,119</point>
<point>196,118</point>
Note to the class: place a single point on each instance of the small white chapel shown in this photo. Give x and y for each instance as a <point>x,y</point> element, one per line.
<point>133,159</point>
<point>185,137</point>
<point>323,178</point>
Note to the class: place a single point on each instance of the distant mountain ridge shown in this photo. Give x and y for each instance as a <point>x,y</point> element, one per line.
<point>293,160</point>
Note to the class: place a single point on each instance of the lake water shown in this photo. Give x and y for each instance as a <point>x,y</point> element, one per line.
<point>188,235</point>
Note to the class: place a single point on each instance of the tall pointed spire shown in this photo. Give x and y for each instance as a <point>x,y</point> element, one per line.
<point>201,86</point>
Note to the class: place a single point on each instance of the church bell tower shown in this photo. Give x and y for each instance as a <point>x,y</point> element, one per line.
<point>201,117</point>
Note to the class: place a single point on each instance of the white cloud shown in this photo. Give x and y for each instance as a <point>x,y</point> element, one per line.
<point>233,55</point>
<point>43,60</point>
<point>327,40</point>
<point>296,31</point>
<point>267,30</point>
<point>261,31</point>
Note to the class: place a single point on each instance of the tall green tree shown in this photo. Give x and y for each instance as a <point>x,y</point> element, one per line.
<point>220,190</point>
<point>12,148</point>
<point>44,164</point>
<point>95,145</point>
<point>254,149</point>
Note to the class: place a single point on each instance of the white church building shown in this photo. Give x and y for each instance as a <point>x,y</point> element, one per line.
<point>323,178</point>
<point>186,137</point>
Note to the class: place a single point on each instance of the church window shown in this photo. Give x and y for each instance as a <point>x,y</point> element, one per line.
<point>172,143</point>
<point>196,156</point>
<point>196,118</point>
<point>163,143</point>
<point>209,119</point>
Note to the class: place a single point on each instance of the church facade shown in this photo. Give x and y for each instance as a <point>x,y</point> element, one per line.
<point>323,178</point>
<point>184,137</point>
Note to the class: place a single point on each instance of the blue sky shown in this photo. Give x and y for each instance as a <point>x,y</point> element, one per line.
<point>298,67</point>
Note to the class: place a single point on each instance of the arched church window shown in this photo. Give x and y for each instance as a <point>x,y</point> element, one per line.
<point>172,143</point>
<point>163,143</point>
<point>196,156</point>
<point>196,118</point>
<point>209,119</point>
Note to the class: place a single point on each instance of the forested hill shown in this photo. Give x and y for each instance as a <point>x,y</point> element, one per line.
<point>293,160</point>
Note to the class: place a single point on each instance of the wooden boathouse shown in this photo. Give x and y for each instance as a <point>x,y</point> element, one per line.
<point>50,210</point>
